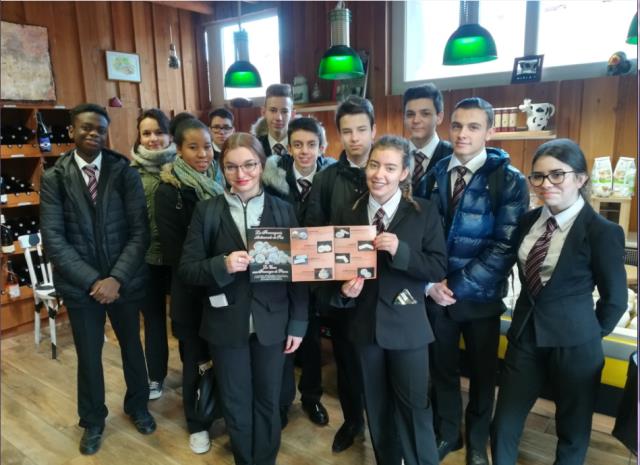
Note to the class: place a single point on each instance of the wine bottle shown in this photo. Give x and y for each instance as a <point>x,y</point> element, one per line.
<point>6,239</point>
<point>12,283</point>
<point>44,134</point>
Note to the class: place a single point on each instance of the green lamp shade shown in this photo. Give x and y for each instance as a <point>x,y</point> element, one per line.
<point>471,43</point>
<point>632,35</point>
<point>242,74</point>
<point>340,62</point>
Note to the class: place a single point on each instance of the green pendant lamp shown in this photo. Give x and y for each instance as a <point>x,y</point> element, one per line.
<point>632,35</point>
<point>242,74</point>
<point>470,43</point>
<point>340,61</point>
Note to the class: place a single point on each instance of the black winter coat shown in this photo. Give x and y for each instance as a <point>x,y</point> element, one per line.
<point>86,243</point>
<point>174,207</point>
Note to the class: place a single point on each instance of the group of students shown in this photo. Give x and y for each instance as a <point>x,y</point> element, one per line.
<point>451,221</point>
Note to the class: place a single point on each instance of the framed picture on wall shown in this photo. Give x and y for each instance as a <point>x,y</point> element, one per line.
<point>123,66</point>
<point>527,69</point>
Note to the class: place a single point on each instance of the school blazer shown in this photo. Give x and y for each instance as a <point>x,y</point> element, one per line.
<point>443,149</point>
<point>375,317</point>
<point>278,308</point>
<point>563,312</point>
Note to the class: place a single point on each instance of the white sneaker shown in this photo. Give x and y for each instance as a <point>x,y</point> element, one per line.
<point>155,390</point>
<point>200,442</point>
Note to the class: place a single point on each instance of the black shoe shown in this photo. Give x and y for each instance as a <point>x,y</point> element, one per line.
<point>144,422</point>
<point>317,413</point>
<point>346,435</point>
<point>91,440</point>
<point>477,457</point>
<point>444,447</point>
<point>284,417</point>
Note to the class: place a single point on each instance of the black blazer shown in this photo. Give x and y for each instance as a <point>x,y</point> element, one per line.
<point>592,255</point>
<point>421,258</point>
<point>443,149</point>
<point>264,141</point>
<point>279,308</point>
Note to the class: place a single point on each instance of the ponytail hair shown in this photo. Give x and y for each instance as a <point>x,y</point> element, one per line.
<point>401,145</point>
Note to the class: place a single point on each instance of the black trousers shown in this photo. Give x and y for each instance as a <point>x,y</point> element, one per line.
<point>310,357</point>
<point>481,338</point>
<point>154,310</point>
<point>195,350</point>
<point>249,380</point>
<point>574,374</point>
<point>396,385</point>
<point>87,326</point>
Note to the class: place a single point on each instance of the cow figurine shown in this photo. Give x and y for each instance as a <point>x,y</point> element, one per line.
<point>538,114</point>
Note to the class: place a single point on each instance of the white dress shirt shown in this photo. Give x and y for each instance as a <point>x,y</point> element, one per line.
<point>472,166</point>
<point>390,207</point>
<point>284,142</point>
<point>565,220</point>
<point>427,150</point>
<point>97,163</point>
<point>308,177</point>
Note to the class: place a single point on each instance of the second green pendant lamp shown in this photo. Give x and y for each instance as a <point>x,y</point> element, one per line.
<point>470,43</point>
<point>340,61</point>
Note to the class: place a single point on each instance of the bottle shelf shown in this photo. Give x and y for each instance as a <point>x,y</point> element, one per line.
<point>314,107</point>
<point>25,293</point>
<point>16,252</point>
<point>523,135</point>
<point>15,151</point>
<point>22,199</point>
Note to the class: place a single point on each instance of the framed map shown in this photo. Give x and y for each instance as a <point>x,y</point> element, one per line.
<point>123,66</point>
<point>25,63</point>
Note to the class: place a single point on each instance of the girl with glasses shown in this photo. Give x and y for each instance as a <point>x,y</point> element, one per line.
<point>566,249</point>
<point>249,327</point>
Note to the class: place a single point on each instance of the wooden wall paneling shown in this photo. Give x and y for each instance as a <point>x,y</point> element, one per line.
<point>201,63</point>
<point>143,34</point>
<point>395,118</point>
<point>13,12</point>
<point>122,130</point>
<point>187,50</point>
<point>124,41</point>
<point>626,137</point>
<point>170,83</point>
<point>94,38</point>
<point>598,117</point>
<point>568,109</point>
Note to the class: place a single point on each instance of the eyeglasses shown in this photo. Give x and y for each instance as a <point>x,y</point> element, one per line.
<point>218,128</point>
<point>248,167</point>
<point>555,178</point>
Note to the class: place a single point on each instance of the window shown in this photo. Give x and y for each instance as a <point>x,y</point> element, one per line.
<point>575,37</point>
<point>264,53</point>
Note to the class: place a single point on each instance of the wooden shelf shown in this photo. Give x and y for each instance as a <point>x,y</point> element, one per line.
<point>22,199</point>
<point>26,293</point>
<point>524,135</point>
<point>14,151</point>
<point>315,107</point>
<point>58,149</point>
<point>16,252</point>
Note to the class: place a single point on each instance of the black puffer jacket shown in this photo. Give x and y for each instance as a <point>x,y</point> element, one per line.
<point>87,243</point>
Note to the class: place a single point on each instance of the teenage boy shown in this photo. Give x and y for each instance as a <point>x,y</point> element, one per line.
<point>95,230</point>
<point>423,113</point>
<point>221,127</point>
<point>277,112</point>
<point>291,178</point>
<point>338,185</point>
<point>480,196</point>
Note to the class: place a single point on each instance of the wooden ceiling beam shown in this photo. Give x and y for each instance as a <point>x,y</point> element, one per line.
<point>204,8</point>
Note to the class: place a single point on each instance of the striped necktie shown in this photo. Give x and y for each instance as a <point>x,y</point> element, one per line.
<point>90,171</point>
<point>536,257</point>
<point>418,168</point>
<point>279,149</point>
<point>459,186</point>
<point>305,187</point>
<point>378,221</point>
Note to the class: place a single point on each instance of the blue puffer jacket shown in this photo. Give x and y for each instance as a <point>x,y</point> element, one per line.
<point>482,248</point>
